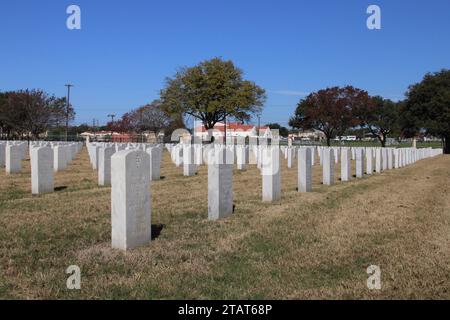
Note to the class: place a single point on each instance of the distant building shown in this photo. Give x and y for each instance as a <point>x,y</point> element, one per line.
<point>346,138</point>
<point>97,135</point>
<point>233,129</point>
<point>313,135</point>
<point>108,136</point>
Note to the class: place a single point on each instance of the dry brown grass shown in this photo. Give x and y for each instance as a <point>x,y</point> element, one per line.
<point>315,245</point>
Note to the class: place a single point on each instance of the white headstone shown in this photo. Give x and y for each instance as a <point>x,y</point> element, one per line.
<point>304,170</point>
<point>104,165</point>
<point>359,153</point>
<point>346,157</point>
<point>390,158</point>
<point>396,158</point>
<point>13,159</point>
<point>59,158</point>
<point>241,157</point>
<point>2,154</point>
<point>290,156</point>
<point>328,166</point>
<point>198,153</point>
<point>220,185</point>
<point>369,160</point>
<point>378,160</point>
<point>42,170</point>
<point>384,156</point>
<point>95,151</point>
<point>271,177</point>
<point>130,199</point>
<point>189,167</point>
<point>155,162</point>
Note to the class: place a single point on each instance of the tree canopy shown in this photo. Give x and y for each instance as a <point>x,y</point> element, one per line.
<point>211,91</point>
<point>427,106</point>
<point>329,110</point>
<point>150,117</point>
<point>380,116</point>
<point>31,112</point>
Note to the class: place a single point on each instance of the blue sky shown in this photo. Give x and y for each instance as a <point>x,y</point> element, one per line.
<point>125,49</point>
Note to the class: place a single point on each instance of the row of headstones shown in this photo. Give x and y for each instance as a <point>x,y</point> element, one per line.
<point>100,158</point>
<point>193,155</point>
<point>383,153</point>
<point>11,155</point>
<point>45,157</point>
<point>190,156</point>
<point>368,160</point>
<point>130,195</point>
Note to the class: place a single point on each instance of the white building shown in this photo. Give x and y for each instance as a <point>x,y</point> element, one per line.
<point>233,129</point>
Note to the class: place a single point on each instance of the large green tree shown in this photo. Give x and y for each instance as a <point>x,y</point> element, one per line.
<point>212,91</point>
<point>427,106</point>
<point>380,116</point>
<point>329,110</point>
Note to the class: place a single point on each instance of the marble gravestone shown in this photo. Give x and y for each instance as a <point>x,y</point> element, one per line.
<point>13,159</point>
<point>378,160</point>
<point>104,165</point>
<point>2,154</point>
<point>346,157</point>
<point>155,162</point>
<point>359,154</point>
<point>59,158</point>
<point>305,170</point>
<point>220,184</point>
<point>42,180</point>
<point>328,166</point>
<point>369,161</point>
<point>241,157</point>
<point>130,199</point>
<point>270,170</point>
<point>189,167</point>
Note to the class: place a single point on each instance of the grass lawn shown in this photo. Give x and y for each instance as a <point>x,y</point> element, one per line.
<point>315,245</point>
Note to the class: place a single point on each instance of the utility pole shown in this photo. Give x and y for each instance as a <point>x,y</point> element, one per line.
<point>225,131</point>
<point>259,125</point>
<point>93,129</point>
<point>111,115</point>
<point>67,107</point>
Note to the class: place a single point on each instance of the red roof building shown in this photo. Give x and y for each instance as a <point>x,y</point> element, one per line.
<point>233,129</point>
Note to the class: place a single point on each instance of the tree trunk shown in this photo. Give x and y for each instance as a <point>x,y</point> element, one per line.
<point>328,141</point>
<point>382,140</point>
<point>447,145</point>
<point>208,126</point>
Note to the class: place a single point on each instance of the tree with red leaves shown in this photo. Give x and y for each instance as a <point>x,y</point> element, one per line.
<point>150,117</point>
<point>329,111</point>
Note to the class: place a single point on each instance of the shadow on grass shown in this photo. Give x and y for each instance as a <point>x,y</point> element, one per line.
<point>60,188</point>
<point>156,230</point>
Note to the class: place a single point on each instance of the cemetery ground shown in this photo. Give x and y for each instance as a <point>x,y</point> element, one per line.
<point>306,246</point>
